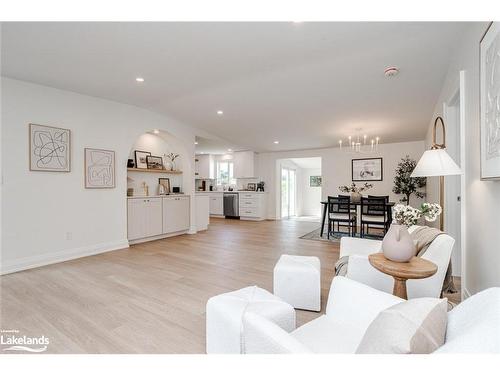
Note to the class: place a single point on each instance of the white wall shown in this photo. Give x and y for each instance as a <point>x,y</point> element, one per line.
<point>309,197</point>
<point>336,169</point>
<point>47,217</point>
<point>482,198</point>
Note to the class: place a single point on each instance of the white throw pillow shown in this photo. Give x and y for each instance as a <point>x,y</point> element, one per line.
<point>417,326</point>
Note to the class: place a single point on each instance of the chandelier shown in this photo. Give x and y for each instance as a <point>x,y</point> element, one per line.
<point>360,144</point>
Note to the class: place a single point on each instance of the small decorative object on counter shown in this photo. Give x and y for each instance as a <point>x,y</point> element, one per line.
<point>176,189</point>
<point>170,161</point>
<point>355,190</point>
<point>251,186</point>
<point>397,244</point>
<point>130,192</point>
<point>145,189</point>
<point>165,182</point>
<point>130,163</point>
<point>260,186</point>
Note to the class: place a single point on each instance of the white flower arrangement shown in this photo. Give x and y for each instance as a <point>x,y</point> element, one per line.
<point>408,215</point>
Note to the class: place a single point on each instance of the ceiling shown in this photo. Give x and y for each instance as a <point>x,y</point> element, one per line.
<point>305,85</point>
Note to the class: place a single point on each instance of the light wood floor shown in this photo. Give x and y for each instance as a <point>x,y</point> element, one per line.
<point>151,298</point>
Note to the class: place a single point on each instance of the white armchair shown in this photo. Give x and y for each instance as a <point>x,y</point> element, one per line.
<point>360,269</point>
<point>473,326</point>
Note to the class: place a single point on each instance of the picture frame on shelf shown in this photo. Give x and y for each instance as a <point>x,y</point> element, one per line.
<point>370,169</point>
<point>165,182</point>
<point>99,168</point>
<point>141,159</point>
<point>489,82</point>
<point>49,148</point>
<point>154,162</point>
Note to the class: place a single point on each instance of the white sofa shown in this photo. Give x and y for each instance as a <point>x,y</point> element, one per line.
<point>360,269</point>
<point>473,326</point>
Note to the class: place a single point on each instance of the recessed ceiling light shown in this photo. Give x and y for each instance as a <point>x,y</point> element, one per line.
<point>391,71</point>
<point>195,143</point>
<point>276,142</point>
<point>219,112</point>
<point>139,79</point>
<point>156,131</point>
<point>230,150</point>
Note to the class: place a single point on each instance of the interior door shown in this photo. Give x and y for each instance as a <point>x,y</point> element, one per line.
<point>288,192</point>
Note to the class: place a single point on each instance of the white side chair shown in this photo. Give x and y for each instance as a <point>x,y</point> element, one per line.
<point>224,315</point>
<point>360,269</point>
<point>473,326</point>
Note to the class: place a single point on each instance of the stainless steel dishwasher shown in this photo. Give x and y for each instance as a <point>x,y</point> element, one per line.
<point>231,205</point>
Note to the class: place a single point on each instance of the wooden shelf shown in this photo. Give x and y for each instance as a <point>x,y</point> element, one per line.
<point>143,170</point>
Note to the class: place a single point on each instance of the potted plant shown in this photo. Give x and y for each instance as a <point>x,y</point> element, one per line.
<point>355,190</point>
<point>404,183</point>
<point>397,244</point>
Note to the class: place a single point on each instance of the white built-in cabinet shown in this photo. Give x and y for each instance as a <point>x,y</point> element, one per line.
<point>204,167</point>
<point>175,214</point>
<point>144,217</point>
<point>244,164</point>
<point>216,204</point>
<point>151,217</point>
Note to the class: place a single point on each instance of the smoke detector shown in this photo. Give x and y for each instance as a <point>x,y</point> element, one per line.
<point>391,71</point>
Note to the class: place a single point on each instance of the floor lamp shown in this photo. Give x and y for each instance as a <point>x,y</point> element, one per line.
<point>437,162</point>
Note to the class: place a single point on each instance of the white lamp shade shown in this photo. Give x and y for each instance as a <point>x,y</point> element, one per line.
<point>436,162</point>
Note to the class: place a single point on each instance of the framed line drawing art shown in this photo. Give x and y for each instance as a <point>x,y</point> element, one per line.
<point>99,169</point>
<point>367,169</point>
<point>50,148</point>
<point>489,68</point>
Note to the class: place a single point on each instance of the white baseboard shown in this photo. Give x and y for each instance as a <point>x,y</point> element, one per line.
<point>60,256</point>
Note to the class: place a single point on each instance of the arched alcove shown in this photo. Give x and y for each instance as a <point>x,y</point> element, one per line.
<point>160,143</point>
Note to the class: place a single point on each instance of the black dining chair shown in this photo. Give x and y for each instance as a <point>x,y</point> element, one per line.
<point>340,212</point>
<point>374,214</point>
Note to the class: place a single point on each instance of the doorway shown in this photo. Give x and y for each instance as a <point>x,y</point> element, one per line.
<point>288,192</point>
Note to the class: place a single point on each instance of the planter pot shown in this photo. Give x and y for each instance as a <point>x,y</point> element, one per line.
<point>398,245</point>
<point>356,197</point>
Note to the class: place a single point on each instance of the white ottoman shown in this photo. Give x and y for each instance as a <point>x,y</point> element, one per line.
<point>225,313</point>
<point>297,280</point>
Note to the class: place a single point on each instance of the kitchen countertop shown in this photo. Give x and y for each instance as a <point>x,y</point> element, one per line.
<point>235,191</point>
<point>158,196</point>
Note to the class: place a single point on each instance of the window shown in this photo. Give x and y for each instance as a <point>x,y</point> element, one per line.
<point>225,173</point>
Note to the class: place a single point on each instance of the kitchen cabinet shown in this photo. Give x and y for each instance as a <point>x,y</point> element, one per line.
<point>175,214</point>
<point>202,211</point>
<point>216,204</point>
<point>144,217</point>
<point>252,206</point>
<point>244,164</point>
<point>205,167</point>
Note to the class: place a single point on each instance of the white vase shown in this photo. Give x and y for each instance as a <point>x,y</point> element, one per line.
<point>356,197</point>
<point>397,244</point>
<point>168,165</point>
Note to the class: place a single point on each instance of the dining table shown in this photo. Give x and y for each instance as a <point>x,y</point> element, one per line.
<point>354,203</point>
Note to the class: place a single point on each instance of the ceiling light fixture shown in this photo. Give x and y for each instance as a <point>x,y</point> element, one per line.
<point>195,143</point>
<point>359,145</point>
<point>219,112</point>
<point>230,150</point>
<point>276,142</point>
<point>139,79</point>
<point>156,131</point>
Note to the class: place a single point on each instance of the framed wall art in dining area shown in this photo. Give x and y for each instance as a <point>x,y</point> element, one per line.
<point>367,169</point>
<point>490,102</point>
<point>99,169</point>
<point>141,159</point>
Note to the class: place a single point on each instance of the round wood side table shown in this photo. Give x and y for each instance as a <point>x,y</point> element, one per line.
<point>416,268</point>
